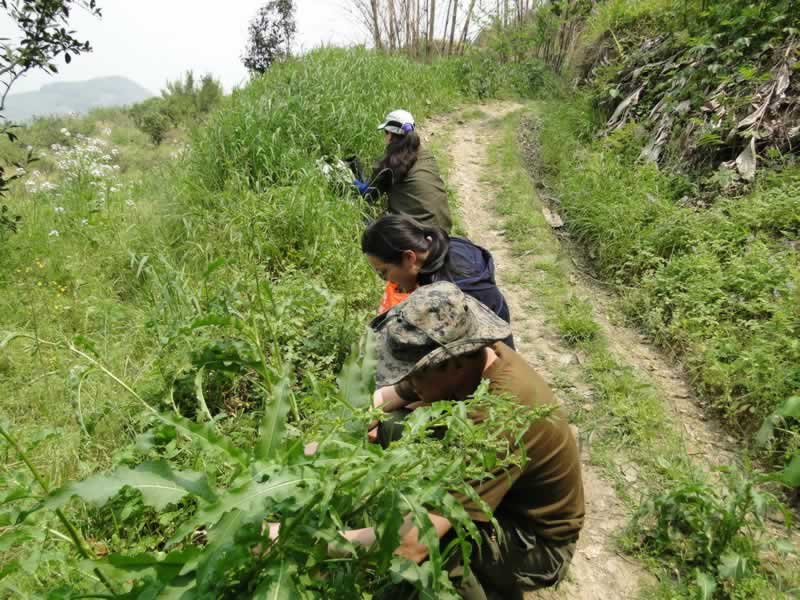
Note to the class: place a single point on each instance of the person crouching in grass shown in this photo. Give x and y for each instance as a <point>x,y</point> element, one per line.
<point>438,345</point>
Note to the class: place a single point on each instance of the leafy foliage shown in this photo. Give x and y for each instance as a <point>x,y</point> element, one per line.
<point>222,548</point>
<point>778,427</point>
<point>712,82</point>
<point>214,288</point>
<point>712,530</point>
<point>182,103</point>
<point>717,285</point>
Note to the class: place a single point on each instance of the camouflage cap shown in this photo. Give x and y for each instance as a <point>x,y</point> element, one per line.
<point>436,322</point>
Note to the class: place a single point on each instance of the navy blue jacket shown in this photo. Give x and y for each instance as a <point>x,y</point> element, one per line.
<point>471,268</point>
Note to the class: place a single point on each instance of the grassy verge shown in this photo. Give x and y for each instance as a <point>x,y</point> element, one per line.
<point>719,286</point>
<point>631,435</point>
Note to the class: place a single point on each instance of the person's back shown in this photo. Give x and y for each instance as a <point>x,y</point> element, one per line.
<point>547,492</point>
<point>471,268</point>
<point>421,194</point>
<point>437,346</point>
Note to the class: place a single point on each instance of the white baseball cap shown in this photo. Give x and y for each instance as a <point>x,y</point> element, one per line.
<point>399,122</point>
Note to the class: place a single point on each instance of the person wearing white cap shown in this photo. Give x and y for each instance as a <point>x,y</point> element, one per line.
<point>408,175</point>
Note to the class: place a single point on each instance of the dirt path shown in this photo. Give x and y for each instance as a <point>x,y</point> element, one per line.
<point>598,570</point>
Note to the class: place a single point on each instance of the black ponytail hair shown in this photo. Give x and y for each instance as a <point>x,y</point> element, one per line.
<point>389,236</point>
<point>400,155</point>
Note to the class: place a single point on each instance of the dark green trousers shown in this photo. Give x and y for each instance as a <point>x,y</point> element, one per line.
<point>503,566</point>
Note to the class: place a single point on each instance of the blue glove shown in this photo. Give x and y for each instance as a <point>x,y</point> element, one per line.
<point>362,187</point>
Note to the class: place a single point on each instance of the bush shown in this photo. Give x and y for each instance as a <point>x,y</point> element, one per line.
<point>155,124</point>
<point>712,534</point>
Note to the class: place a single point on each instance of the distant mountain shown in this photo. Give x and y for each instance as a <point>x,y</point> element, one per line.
<point>74,97</point>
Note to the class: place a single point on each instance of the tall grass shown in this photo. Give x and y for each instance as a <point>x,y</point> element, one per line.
<point>243,218</point>
<point>236,252</point>
<point>720,286</point>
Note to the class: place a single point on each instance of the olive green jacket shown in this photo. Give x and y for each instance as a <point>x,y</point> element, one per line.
<point>421,195</point>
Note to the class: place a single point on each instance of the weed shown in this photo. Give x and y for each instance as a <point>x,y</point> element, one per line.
<point>575,321</point>
<point>712,533</point>
<point>717,286</point>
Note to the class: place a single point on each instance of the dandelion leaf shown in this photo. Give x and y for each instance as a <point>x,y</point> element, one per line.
<point>158,482</point>
<point>279,583</point>
<point>273,424</point>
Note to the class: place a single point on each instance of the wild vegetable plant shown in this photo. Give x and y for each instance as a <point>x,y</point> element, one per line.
<point>712,533</point>
<point>777,425</point>
<point>221,548</point>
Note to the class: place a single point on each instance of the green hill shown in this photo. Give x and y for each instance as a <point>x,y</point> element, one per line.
<point>74,97</point>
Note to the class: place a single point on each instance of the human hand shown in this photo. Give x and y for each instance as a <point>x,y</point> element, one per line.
<point>372,432</point>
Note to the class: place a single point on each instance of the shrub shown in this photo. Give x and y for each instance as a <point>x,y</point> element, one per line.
<point>155,124</point>
<point>710,533</point>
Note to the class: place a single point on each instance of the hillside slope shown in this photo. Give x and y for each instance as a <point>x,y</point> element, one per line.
<point>74,97</point>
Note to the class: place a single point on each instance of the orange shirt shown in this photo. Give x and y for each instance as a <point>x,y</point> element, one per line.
<point>391,296</point>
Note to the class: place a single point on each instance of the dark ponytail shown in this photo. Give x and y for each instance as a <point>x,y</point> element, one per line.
<point>400,155</point>
<point>389,236</point>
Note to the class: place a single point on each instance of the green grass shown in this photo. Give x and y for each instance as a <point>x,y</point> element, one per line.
<point>717,286</point>
<point>238,251</point>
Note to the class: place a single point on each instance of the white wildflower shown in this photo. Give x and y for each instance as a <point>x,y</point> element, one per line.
<point>53,233</point>
<point>84,221</point>
<point>59,209</point>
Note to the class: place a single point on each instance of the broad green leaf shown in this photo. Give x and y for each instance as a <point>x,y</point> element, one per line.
<point>83,343</point>
<point>732,565</point>
<point>178,590</point>
<point>15,536</point>
<point>791,474</point>
<point>159,484</point>
<point>785,547</point>
<point>273,423</point>
<point>790,408</point>
<point>143,565</point>
<point>214,265</point>
<point>247,498</point>
<point>706,584</point>
<point>387,528</point>
<point>206,436</point>
<point>766,431</point>
<point>278,583</point>
<point>358,374</point>
<point>9,568</point>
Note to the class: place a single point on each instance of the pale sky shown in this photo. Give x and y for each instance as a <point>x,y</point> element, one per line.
<point>152,41</point>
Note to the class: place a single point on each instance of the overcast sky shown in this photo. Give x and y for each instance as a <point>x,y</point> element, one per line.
<point>151,41</point>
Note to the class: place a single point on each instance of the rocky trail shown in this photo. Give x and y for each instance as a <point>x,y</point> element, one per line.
<point>599,571</point>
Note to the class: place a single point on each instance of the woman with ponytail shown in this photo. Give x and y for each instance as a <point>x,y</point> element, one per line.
<point>408,254</point>
<point>408,175</point>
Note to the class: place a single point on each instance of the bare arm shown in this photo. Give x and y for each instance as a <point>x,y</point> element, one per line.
<point>410,547</point>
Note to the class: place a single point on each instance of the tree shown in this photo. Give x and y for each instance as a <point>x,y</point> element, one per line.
<point>270,36</point>
<point>185,100</point>
<point>42,37</point>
